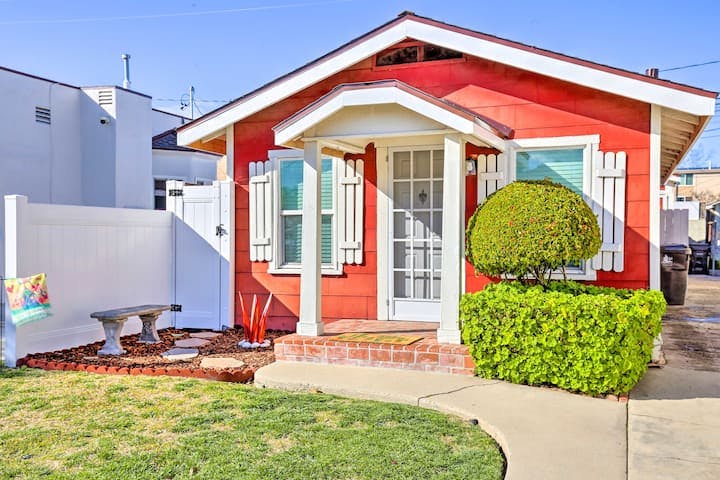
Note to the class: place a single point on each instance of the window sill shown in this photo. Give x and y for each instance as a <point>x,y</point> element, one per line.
<point>297,271</point>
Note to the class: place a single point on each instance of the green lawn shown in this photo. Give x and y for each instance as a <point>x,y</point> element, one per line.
<point>84,426</point>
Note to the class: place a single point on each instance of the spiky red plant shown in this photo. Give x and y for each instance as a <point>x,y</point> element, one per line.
<point>254,322</point>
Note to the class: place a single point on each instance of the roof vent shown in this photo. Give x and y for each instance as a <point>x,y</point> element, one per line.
<point>652,72</point>
<point>42,115</point>
<point>105,97</point>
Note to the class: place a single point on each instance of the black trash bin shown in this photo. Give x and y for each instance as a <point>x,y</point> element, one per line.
<point>700,257</point>
<point>674,266</point>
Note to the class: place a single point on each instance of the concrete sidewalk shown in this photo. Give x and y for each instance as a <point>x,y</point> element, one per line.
<point>674,426</point>
<point>544,433</point>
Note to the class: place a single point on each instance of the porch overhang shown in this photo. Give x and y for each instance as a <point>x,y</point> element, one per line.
<point>351,115</point>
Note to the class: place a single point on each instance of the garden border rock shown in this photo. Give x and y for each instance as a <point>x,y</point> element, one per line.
<point>239,375</point>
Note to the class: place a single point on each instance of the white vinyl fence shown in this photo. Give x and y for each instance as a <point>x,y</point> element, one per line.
<point>95,259</point>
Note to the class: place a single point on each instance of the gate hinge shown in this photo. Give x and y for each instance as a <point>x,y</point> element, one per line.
<point>175,307</point>
<point>175,192</point>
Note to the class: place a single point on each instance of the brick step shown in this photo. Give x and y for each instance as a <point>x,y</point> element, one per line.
<point>425,355</point>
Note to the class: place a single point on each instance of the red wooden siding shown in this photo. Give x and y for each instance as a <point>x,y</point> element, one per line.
<point>535,106</point>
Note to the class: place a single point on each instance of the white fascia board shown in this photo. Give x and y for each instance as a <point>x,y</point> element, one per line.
<point>563,70</point>
<point>296,83</point>
<point>385,95</point>
<point>518,58</point>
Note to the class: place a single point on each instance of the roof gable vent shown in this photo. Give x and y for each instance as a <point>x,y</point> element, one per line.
<point>42,115</point>
<point>105,97</point>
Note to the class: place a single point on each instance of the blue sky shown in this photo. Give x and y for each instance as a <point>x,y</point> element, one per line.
<point>226,48</point>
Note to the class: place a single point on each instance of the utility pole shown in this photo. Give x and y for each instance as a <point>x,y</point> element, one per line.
<point>192,102</point>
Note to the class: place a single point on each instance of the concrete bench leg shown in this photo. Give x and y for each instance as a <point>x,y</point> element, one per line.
<point>149,331</point>
<point>112,337</point>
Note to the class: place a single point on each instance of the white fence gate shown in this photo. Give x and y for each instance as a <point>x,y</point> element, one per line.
<point>204,218</point>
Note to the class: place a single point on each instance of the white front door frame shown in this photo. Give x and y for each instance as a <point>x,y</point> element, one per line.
<point>432,312</point>
<point>452,282</point>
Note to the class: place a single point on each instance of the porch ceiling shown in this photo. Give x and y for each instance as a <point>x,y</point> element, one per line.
<point>352,115</point>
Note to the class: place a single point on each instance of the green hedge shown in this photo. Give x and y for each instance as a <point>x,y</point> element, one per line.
<point>578,337</point>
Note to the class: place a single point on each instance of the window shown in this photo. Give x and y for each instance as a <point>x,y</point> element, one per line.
<point>687,179</point>
<point>561,166</point>
<point>564,160</point>
<point>159,193</point>
<point>415,53</point>
<point>290,181</point>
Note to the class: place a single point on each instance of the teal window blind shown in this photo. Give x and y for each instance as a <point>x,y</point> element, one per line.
<point>562,166</point>
<point>291,200</point>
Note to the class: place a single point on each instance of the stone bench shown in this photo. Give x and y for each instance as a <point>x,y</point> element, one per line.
<point>113,321</point>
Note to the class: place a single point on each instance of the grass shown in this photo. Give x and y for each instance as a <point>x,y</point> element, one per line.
<point>69,425</point>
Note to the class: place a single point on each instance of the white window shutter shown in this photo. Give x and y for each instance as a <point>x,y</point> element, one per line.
<point>350,212</point>
<point>608,200</point>
<point>491,175</point>
<point>261,212</point>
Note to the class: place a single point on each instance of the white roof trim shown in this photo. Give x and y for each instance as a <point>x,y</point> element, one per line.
<point>384,95</point>
<point>557,68</point>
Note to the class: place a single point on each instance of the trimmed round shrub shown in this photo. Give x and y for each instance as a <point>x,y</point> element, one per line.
<point>530,229</point>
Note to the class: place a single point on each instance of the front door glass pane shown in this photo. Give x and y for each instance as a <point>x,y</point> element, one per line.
<point>417,224</point>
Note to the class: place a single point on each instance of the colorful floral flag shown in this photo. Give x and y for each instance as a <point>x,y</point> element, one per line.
<point>28,298</point>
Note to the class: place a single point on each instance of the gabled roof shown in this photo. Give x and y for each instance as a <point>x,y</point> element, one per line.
<point>694,101</point>
<point>445,112</point>
<point>167,140</point>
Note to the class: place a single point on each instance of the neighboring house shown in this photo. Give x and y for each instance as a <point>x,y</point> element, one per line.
<point>698,185</point>
<point>693,190</point>
<point>173,162</point>
<point>354,172</point>
<point>64,144</point>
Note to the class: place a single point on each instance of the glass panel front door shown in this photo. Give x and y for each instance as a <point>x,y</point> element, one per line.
<point>416,233</point>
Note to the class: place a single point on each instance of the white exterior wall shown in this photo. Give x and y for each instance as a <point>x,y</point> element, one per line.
<point>185,166</point>
<point>133,150</point>
<point>163,121</point>
<point>36,159</point>
<point>99,156</point>
<point>95,259</point>
<point>75,159</point>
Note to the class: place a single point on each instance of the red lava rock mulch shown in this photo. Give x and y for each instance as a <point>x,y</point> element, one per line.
<point>146,359</point>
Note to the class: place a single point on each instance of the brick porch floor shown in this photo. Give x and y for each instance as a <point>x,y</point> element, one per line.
<point>426,354</point>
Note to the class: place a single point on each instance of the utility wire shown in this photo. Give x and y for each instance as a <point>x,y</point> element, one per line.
<point>172,15</point>
<point>690,66</point>
<point>196,100</point>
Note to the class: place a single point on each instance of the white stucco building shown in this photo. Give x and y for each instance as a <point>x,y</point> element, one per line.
<point>65,144</point>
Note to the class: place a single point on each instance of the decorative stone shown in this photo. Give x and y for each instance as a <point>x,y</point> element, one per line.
<point>191,342</point>
<point>177,335</point>
<point>178,354</point>
<point>221,363</point>
<point>246,344</point>
<point>206,335</point>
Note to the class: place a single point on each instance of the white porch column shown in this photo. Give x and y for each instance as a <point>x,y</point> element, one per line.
<point>310,322</point>
<point>453,234</point>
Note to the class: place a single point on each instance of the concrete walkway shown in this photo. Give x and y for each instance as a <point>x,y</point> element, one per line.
<point>545,434</point>
<point>674,426</point>
<point>674,412</point>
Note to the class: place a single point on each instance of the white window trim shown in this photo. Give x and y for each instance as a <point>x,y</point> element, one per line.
<point>590,144</point>
<point>692,184</point>
<point>275,266</point>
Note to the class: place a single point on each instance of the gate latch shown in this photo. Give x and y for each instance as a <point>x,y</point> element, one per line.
<point>220,230</point>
